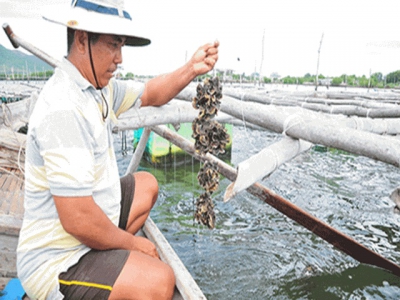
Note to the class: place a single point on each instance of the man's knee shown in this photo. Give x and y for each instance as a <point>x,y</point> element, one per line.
<point>165,283</point>
<point>147,182</point>
<point>145,276</point>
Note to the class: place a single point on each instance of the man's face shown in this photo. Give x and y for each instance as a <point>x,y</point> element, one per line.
<point>107,55</point>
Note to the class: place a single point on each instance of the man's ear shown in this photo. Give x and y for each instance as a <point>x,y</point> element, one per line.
<point>80,41</point>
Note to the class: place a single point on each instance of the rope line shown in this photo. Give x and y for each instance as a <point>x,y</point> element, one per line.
<point>286,123</point>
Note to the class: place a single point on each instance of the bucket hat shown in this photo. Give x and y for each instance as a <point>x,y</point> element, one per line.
<point>97,16</point>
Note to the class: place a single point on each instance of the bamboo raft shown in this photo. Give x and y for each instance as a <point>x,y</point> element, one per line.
<point>360,123</point>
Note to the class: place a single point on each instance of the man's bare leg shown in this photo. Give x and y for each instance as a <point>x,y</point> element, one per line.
<point>144,277</point>
<point>145,196</point>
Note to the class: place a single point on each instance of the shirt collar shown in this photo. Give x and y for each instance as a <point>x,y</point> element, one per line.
<point>75,75</point>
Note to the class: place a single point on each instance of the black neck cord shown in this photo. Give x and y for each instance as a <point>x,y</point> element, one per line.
<point>104,115</point>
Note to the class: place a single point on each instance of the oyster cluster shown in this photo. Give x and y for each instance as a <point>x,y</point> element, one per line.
<point>208,98</point>
<point>208,176</point>
<point>210,137</point>
<point>205,210</point>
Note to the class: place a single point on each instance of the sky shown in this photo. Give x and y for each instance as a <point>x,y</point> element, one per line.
<point>283,36</point>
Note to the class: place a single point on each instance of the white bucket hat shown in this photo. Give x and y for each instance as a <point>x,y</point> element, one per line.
<point>97,16</point>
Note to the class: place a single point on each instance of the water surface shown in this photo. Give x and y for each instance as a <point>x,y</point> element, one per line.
<point>256,252</point>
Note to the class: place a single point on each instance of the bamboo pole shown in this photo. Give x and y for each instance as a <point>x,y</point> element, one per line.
<point>17,41</point>
<point>321,229</point>
<point>260,78</point>
<point>185,283</point>
<point>351,110</point>
<point>314,130</point>
<point>264,97</point>
<point>350,107</point>
<point>319,52</point>
<point>176,111</point>
<point>382,126</point>
<point>264,163</point>
<point>137,155</point>
<point>173,112</point>
<point>320,132</point>
<point>381,96</point>
<point>389,126</point>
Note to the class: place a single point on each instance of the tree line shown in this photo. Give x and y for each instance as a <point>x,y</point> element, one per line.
<point>376,80</point>
<point>24,76</point>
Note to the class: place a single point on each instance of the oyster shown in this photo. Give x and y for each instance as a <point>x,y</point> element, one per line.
<point>210,137</point>
<point>208,177</point>
<point>208,98</point>
<point>205,210</point>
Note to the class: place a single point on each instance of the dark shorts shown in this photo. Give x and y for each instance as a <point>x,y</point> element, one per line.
<point>94,275</point>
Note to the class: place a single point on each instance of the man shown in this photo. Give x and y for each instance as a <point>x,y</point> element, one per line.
<point>77,239</point>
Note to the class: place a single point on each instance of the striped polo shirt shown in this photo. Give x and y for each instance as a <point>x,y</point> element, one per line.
<point>69,153</point>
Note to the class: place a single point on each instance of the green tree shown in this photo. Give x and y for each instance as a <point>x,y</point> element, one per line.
<point>363,81</point>
<point>129,75</point>
<point>378,76</point>
<point>236,77</point>
<point>352,80</point>
<point>266,80</point>
<point>337,81</point>
<point>289,80</point>
<point>308,78</point>
<point>393,77</point>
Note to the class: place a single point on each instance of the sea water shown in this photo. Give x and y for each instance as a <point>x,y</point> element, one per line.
<point>255,252</point>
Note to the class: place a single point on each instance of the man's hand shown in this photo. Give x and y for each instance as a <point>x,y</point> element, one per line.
<point>161,89</point>
<point>145,246</point>
<point>205,58</point>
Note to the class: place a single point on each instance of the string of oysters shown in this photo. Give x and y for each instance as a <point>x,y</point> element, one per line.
<point>210,137</point>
